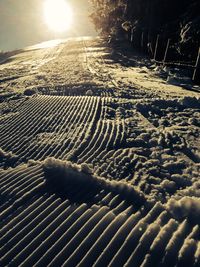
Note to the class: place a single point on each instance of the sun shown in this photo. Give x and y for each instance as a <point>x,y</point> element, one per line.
<point>58,15</point>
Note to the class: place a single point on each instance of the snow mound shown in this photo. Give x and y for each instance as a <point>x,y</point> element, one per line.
<point>186,207</point>
<point>89,92</point>
<point>63,174</point>
<point>8,156</point>
<point>31,91</point>
<point>189,101</point>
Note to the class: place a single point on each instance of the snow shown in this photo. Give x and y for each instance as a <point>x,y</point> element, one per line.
<point>186,207</point>
<point>62,174</point>
<point>108,124</point>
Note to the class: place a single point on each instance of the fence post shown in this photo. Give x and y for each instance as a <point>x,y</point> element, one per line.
<point>156,47</point>
<point>196,74</point>
<point>142,40</point>
<point>166,51</point>
<point>132,35</point>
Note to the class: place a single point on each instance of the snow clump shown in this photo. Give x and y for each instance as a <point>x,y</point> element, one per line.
<point>62,174</point>
<point>186,207</point>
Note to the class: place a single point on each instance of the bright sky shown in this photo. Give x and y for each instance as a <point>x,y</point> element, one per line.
<point>22,23</point>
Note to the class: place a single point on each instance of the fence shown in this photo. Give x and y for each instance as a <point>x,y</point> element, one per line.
<point>159,49</point>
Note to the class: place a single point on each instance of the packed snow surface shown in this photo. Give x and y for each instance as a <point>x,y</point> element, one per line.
<point>99,158</point>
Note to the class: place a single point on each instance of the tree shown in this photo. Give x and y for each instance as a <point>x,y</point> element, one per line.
<point>175,19</point>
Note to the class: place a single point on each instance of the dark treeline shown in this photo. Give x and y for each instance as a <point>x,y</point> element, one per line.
<point>178,20</point>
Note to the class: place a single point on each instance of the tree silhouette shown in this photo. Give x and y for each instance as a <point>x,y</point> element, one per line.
<point>175,19</point>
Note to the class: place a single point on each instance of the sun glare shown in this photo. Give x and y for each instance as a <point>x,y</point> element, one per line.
<point>58,15</point>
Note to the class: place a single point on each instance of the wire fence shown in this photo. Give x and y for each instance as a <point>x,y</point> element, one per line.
<point>162,51</point>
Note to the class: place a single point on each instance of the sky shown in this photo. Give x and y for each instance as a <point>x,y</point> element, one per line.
<point>22,23</point>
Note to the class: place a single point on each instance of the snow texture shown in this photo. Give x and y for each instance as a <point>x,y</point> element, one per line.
<point>64,173</point>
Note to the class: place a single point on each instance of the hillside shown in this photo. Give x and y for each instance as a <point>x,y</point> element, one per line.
<point>99,159</point>
<point>178,20</point>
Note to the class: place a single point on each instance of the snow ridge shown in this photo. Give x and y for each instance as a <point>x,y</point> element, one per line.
<point>64,173</point>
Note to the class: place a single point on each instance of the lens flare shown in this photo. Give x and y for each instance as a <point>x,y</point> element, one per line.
<point>58,15</point>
